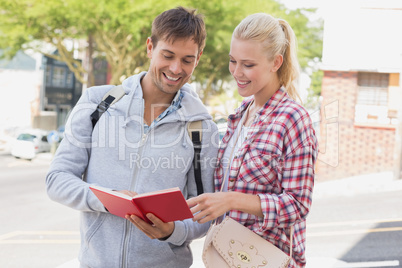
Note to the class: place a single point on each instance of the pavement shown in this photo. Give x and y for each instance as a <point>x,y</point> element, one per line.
<point>363,184</point>
<point>370,183</point>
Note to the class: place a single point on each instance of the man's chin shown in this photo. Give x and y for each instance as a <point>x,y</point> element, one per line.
<point>170,89</point>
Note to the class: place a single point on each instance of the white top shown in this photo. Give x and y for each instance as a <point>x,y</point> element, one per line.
<point>226,160</point>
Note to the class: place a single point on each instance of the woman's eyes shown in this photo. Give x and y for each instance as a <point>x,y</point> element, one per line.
<point>245,65</point>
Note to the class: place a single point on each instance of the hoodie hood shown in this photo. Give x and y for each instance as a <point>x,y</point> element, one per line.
<point>192,108</point>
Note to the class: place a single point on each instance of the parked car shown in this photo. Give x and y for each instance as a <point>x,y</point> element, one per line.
<point>222,127</point>
<point>28,144</point>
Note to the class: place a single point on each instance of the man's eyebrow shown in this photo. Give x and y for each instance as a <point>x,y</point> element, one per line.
<point>171,52</point>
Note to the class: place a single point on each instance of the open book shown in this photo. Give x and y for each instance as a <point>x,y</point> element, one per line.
<point>168,205</point>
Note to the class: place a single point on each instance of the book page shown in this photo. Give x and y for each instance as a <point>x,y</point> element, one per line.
<point>175,189</point>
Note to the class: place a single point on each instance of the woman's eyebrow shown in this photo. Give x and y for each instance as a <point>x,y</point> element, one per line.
<point>242,60</point>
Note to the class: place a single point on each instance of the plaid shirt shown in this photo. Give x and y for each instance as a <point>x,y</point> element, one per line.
<point>275,162</point>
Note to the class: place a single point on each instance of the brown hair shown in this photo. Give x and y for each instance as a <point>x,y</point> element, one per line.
<point>277,38</point>
<point>179,23</point>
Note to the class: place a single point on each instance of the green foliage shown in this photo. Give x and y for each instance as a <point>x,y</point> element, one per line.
<point>314,91</point>
<point>118,30</point>
<point>316,78</point>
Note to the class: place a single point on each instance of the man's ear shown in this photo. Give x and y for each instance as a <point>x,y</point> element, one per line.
<point>278,60</point>
<point>198,58</point>
<point>150,46</point>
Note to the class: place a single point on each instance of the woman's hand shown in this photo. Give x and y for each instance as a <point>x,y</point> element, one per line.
<point>209,206</point>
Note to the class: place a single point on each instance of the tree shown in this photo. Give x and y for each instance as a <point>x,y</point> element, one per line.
<point>221,19</point>
<point>113,29</point>
<point>27,26</point>
<point>117,31</point>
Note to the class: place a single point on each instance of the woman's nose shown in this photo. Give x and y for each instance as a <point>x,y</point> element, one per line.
<point>236,71</point>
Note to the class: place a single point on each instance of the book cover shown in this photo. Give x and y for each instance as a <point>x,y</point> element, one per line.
<point>168,205</point>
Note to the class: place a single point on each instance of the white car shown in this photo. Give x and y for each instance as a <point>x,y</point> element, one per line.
<point>28,145</point>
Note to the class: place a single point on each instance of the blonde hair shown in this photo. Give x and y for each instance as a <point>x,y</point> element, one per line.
<point>277,38</point>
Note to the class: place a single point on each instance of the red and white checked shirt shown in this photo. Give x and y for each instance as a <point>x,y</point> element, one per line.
<point>276,162</point>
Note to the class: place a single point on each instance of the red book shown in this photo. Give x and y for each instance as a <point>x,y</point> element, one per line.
<point>168,205</point>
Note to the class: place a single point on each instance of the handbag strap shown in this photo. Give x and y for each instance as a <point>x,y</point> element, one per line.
<point>231,155</point>
<point>220,218</point>
<point>291,241</point>
<point>227,170</point>
<point>234,146</point>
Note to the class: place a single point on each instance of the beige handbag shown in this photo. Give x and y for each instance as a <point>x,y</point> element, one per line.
<point>230,244</point>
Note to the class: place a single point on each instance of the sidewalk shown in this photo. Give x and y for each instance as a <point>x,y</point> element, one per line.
<point>369,183</point>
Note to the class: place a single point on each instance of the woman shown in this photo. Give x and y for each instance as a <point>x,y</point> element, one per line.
<point>270,147</point>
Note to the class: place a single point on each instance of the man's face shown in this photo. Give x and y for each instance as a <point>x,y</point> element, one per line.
<point>172,64</point>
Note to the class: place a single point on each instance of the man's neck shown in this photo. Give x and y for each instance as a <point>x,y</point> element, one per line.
<point>152,95</point>
<point>155,101</point>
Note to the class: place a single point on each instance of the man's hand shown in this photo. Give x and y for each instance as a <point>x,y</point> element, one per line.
<point>157,230</point>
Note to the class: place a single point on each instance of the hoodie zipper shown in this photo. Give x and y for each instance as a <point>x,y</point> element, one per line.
<point>132,187</point>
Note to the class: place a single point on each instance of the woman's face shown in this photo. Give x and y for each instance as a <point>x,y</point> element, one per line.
<point>254,73</point>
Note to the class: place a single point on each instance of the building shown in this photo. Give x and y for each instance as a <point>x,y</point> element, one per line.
<point>39,92</point>
<point>361,116</point>
<point>60,92</point>
<point>20,84</point>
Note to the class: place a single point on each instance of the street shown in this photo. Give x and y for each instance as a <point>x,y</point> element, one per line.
<point>359,230</point>
<point>34,232</point>
<point>363,230</point>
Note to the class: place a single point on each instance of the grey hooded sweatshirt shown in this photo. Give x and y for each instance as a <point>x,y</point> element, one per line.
<point>117,154</point>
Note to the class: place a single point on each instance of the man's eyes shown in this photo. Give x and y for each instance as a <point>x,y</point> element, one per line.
<point>184,60</point>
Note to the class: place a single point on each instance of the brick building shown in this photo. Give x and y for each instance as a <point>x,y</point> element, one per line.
<point>360,131</point>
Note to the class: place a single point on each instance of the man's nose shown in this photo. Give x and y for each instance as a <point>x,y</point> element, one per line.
<point>175,67</point>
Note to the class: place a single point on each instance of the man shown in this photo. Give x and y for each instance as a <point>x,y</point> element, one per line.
<point>139,145</point>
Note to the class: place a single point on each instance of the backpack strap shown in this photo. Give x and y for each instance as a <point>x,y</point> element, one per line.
<point>195,131</point>
<point>112,96</point>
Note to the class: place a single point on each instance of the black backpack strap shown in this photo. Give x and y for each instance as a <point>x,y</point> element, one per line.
<point>102,107</point>
<point>112,96</point>
<point>195,132</point>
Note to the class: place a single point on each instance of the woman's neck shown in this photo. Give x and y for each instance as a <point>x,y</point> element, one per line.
<point>261,97</point>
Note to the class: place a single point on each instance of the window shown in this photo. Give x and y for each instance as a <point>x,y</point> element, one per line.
<point>373,89</point>
<point>69,80</point>
<point>48,74</point>
<point>58,76</point>
<point>372,99</point>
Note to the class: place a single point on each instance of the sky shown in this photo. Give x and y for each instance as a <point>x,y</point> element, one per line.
<point>325,6</point>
